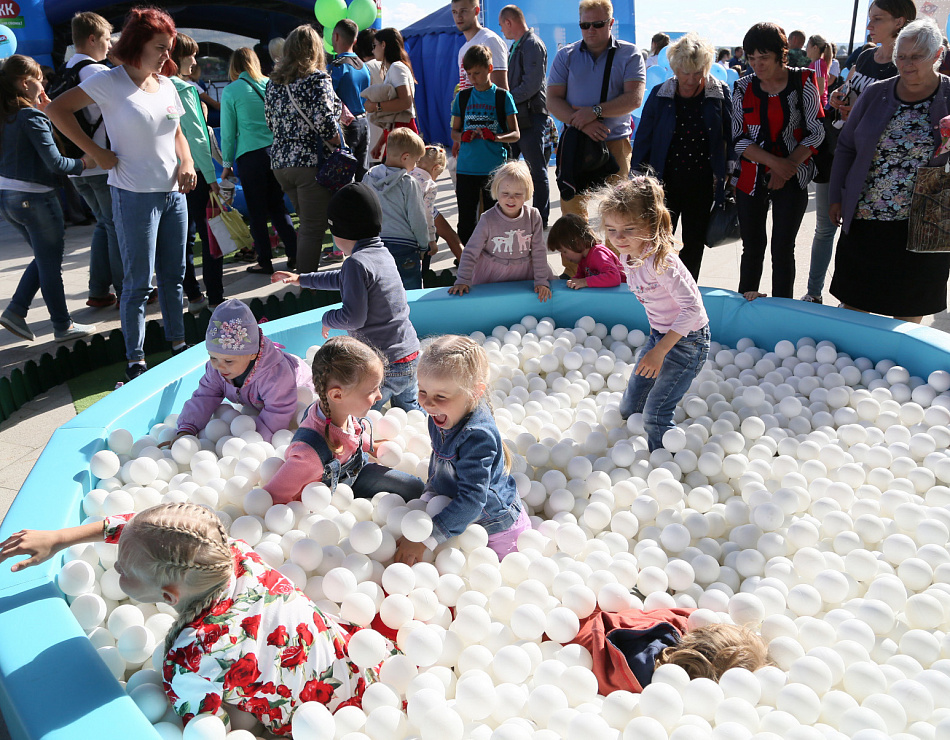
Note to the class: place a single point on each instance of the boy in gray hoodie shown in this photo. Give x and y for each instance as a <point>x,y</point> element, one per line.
<point>405,228</point>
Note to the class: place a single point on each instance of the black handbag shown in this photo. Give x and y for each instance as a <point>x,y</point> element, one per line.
<point>339,166</point>
<point>723,225</point>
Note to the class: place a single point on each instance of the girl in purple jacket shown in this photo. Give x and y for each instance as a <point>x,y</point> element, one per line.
<point>247,368</point>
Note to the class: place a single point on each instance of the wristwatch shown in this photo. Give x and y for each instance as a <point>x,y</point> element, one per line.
<point>379,107</point>
<point>599,112</point>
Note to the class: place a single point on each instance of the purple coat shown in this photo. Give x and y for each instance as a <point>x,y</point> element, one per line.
<point>271,388</point>
<point>857,144</point>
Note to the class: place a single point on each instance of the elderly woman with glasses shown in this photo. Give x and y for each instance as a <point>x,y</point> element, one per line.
<point>892,130</point>
<point>685,137</point>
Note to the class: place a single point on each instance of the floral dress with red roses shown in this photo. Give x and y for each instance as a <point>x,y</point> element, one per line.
<point>264,648</point>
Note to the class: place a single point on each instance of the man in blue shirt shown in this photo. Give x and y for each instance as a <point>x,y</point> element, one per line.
<point>350,77</point>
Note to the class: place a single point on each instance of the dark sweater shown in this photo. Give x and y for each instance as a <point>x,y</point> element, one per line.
<point>374,309</point>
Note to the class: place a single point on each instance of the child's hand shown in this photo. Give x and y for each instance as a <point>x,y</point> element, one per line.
<point>543,291</point>
<point>460,289</point>
<point>433,248</point>
<point>751,295</point>
<point>170,442</point>
<point>467,136</point>
<point>408,552</point>
<point>282,276</point>
<point>650,364</point>
<point>487,134</point>
<point>41,544</point>
<point>326,331</point>
<point>577,283</point>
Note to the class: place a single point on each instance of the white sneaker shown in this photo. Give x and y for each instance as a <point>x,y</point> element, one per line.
<point>75,331</point>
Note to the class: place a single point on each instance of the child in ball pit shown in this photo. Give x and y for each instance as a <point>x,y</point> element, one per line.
<point>597,266</point>
<point>247,368</point>
<point>245,637</point>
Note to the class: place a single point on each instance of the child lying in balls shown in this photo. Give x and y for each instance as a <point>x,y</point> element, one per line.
<point>244,637</point>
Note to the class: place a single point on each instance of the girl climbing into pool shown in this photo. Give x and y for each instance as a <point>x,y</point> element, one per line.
<point>637,222</point>
<point>245,638</point>
<point>334,438</point>
<point>470,464</point>
<point>248,368</point>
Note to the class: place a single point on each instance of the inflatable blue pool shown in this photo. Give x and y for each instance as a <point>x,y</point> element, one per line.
<point>52,683</point>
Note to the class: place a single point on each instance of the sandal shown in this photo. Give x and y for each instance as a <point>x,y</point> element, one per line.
<point>247,254</point>
<point>260,270</point>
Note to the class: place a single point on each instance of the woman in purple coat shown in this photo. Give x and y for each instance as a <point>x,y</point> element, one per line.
<point>247,368</point>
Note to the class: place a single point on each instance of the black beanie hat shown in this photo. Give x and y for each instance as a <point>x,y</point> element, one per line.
<point>354,212</point>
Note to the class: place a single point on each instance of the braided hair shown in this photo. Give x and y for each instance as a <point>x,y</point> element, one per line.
<point>180,543</point>
<point>341,361</point>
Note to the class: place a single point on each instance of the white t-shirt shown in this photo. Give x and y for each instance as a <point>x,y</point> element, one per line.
<point>497,47</point>
<point>141,128</point>
<point>399,75</point>
<point>91,112</point>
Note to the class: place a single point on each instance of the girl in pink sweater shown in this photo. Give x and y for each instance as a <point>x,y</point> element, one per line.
<point>508,243</point>
<point>333,441</point>
<point>597,266</point>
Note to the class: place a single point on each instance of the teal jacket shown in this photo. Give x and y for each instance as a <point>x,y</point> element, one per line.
<point>195,128</point>
<point>243,128</point>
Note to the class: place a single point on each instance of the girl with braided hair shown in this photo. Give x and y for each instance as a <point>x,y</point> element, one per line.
<point>245,637</point>
<point>333,440</point>
<point>470,464</point>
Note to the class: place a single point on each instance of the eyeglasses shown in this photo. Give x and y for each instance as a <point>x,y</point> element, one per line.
<point>585,25</point>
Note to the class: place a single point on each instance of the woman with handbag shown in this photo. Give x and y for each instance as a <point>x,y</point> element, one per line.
<point>685,137</point>
<point>891,131</point>
<point>246,141</point>
<point>302,111</point>
<point>390,51</point>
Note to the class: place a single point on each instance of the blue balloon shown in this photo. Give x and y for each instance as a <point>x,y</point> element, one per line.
<point>655,75</point>
<point>731,76</point>
<point>719,72</point>
<point>844,73</point>
<point>7,42</point>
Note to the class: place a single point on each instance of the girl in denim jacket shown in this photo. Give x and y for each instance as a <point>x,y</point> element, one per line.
<point>469,462</point>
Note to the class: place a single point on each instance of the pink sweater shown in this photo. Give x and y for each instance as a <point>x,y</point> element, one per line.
<point>671,298</point>
<point>302,465</point>
<point>503,250</point>
<point>601,267</point>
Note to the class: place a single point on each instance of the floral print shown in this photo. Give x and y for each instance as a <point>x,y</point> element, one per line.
<point>906,144</point>
<point>295,142</point>
<point>264,648</point>
<point>231,335</point>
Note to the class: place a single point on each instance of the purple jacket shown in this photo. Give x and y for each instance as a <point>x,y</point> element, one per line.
<point>271,387</point>
<point>857,144</point>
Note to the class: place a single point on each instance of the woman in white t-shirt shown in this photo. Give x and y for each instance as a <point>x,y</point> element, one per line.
<point>390,51</point>
<point>150,170</point>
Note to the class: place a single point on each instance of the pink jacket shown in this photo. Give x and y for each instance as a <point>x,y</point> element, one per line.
<point>302,465</point>
<point>601,267</point>
<point>271,387</point>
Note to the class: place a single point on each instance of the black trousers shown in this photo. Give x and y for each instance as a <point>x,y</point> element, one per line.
<point>212,268</point>
<point>691,202</point>
<point>469,191</point>
<point>788,208</point>
<point>265,200</point>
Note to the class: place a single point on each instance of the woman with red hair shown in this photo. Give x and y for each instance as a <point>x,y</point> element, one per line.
<point>150,170</point>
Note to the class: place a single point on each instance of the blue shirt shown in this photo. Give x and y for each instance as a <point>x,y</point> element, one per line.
<point>349,82</point>
<point>583,75</point>
<point>479,157</point>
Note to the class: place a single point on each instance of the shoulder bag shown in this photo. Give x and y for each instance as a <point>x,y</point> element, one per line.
<point>339,166</point>
<point>593,155</point>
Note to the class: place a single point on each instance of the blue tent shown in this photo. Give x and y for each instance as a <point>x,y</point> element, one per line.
<point>433,44</point>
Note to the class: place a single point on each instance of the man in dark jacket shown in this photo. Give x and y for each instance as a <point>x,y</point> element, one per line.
<point>527,67</point>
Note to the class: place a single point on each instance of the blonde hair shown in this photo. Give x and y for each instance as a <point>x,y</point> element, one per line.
<point>434,157</point>
<point>597,5</point>
<point>343,361</point>
<point>405,141</point>
<point>275,47</point>
<point>245,60</point>
<point>84,25</point>
<point>302,56</point>
<point>710,651</point>
<point>180,543</point>
<point>691,53</point>
<point>517,171</point>
<point>640,200</point>
<point>464,361</point>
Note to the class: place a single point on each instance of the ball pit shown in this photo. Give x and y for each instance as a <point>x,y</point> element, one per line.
<point>885,659</point>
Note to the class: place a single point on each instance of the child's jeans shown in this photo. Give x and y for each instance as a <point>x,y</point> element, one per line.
<point>408,261</point>
<point>657,397</point>
<point>507,541</point>
<point>399,386</point>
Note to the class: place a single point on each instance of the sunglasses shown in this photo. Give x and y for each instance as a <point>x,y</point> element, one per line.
<point>585,25</point>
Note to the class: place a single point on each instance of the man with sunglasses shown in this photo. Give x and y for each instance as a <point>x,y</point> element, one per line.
<point>576,81</point>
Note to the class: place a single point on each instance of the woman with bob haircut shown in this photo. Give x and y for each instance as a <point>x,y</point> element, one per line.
<point>246,142</point>
<point>685,137</point>
<point>150,171</point>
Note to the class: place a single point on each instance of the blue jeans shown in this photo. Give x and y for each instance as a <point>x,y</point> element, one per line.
<point>105,260</point>
<point>823,243</point>
<point>374,478</point>
<point>38,217</point>
<point>400,386</point>
<point>408,263</point>
<point>657,397</point>
<point>151,228</point>
<point>531,147</point>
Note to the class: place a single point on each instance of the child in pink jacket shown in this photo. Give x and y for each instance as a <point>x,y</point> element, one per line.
<point>597,266</point>
<point>246,368</point>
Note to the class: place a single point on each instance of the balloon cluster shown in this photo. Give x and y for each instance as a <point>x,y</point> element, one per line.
<point>330,12</point>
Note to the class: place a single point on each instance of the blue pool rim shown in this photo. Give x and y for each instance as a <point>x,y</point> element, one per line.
<point>52,684</point>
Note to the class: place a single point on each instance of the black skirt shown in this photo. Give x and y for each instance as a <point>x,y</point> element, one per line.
<point>875,272</point>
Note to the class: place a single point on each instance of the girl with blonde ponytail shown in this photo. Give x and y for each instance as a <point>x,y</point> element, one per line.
<point>244,635</point>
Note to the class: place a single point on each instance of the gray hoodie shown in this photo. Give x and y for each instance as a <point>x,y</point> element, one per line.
<point>404,213</point>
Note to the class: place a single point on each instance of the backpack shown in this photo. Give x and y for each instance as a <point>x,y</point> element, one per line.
<point>67,79</point>
<point>500,98</point>
<point>354,62</point>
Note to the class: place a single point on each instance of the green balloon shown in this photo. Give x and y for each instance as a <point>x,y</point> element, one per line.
<point>329,12</point>
<point>328,44</point>
<point>362,13</point>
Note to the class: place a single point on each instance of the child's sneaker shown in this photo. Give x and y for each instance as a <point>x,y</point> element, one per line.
<point>809,298</point>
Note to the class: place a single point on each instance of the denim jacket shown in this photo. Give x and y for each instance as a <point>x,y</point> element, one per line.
<point>468,466</point>
<point>28,152</point>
